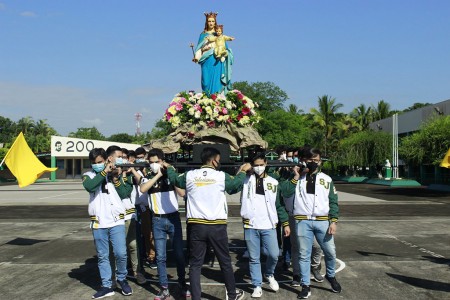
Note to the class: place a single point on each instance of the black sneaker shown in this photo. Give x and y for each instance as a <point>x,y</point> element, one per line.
<point>316,276</point>
<point>126,288</point>
<point>103,292</point>
<point>335,286</point>
<point>185,292</point>
<point>305,293</point>
<point>295,280</point>
<point>163,294</point>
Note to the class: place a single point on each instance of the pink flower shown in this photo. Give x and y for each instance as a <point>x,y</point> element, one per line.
<point>198,107</point>
<point>244,102</point>
<point>182,100</point>
<point>179,106</point>
<point>239,117</point>
<point>213,96</point>
<point>168,115</point>
<point>224,110</point>
<point>229,120</point>
<point>245,111</point>
<point>240,96</point>
<point>210,123</point>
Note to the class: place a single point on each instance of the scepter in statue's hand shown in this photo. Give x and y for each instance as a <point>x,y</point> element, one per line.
<point>193,53</point>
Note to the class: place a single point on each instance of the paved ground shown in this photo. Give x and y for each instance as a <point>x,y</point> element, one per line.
<point>392,243</point>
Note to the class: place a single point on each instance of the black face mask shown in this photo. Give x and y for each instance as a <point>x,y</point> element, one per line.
<point>312,166</point>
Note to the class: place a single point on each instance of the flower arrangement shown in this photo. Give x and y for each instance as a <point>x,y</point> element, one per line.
<point>214,111</point>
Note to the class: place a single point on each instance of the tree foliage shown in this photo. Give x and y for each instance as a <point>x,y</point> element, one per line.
<point>365,148</point>
<point>269,96</point>
<point>428,145</point>
<point>90,133</point>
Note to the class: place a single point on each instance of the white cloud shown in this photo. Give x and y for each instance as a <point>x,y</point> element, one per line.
<point>28,14</point>
<point>94,122</point>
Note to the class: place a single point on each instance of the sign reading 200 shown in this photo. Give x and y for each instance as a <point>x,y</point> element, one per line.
<point>72,146</point>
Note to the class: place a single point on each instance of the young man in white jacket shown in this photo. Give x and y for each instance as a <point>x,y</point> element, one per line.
<point>316,211</point>
<point>107,217</point>
<point>207,213</point>
<point>261,211</point>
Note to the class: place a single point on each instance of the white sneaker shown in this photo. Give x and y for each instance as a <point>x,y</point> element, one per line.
<point>273,283</point>
<point>257,292</point>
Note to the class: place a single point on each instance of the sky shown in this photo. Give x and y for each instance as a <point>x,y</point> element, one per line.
<point>97,63</point>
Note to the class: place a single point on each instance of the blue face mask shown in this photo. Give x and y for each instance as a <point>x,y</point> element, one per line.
<point>139,160</point>
<point>98,167</point>
<point>289,158</point>
<point>296,160</point>
<point>119,161</point>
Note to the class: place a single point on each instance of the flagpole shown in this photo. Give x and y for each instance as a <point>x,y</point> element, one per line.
<point>4,158</point>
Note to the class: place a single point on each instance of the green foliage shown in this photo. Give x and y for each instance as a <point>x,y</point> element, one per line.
<point>284,128</point>
<point>365,148</point>
<point>121,138</point>
<point>269,96</point>
<point>428,145</point>
<point>416,105</point>
<point>381,111</point>
<point>90,133</point>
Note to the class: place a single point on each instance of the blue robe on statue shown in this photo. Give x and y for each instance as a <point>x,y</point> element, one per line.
<point>216,75</point>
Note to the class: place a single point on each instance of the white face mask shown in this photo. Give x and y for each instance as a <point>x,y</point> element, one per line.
<point>155,167</point>
<point>259,169</point>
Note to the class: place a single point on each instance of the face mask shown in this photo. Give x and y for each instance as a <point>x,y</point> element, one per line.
<point>119,160</point>
<point>283,156</point>
<point>259,169</point>
<point>295,160</point>
<point>124,160</point>
<point>98,167</point>
<point>139,160</point>
<point>312,166</point>
<point>155,167</point>
<point>290,159</point>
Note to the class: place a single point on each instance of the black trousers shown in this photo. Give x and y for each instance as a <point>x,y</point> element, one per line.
<point>199,237</point>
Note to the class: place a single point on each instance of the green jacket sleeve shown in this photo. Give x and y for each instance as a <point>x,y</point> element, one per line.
<point>178,180</point>
<point>281,211</point>
<point>287,187</point>
<point>92,184</point>
<point>126,186</point>
<point>122,189</point>
<point>333,214</point>
<point>234,183</point>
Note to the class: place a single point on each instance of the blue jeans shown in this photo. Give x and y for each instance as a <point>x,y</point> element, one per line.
<point>163,227</point>
<point>102,237</point>
<point>268,238</point>
<point>306,231</point>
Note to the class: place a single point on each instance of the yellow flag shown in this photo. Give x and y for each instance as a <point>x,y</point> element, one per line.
<point>23,164</point>
<point>445,163</point>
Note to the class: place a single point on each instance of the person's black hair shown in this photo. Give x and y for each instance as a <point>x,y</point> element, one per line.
<point>259,155</point>
<point>156,152</point>
<point>140,151</point>
<point>280,149</point>
<point>309,152</point>
<point>96,152</point>
<point>131,153</point>
<point>111,149</point>
<point>208,153</point>
<point>125,151</point>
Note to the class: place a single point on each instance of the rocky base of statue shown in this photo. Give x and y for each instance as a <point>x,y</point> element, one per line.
<point>237,137</point>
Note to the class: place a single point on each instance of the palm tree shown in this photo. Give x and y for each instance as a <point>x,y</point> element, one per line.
<point>381,111</point>
<point>325,116</point>
<point>362,115</point>
<point>25,124</point>
<point>293,109</point>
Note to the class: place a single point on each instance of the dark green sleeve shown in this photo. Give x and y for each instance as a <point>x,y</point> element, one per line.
<point>127,183</point>
<point>122,189</point>
<point>92,184</point>
<point>272,172</point>
<point>287,187</point>
<point>178,180</point>
<point>281,211</point>
<point>232,183</point>
<point>334,207</point>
